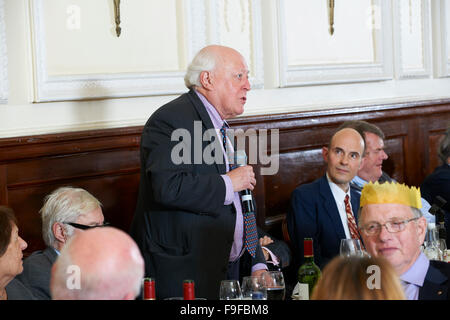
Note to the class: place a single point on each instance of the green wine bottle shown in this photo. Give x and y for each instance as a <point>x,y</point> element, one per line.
<point>308,273</point>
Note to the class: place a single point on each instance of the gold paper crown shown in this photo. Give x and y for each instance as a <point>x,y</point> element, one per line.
<point>376,193</point>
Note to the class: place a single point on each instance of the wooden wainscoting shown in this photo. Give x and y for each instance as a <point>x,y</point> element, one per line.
<point>106,162</point>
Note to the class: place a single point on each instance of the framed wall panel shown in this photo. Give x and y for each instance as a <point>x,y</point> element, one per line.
<point>78,56</point>
<point>359,50</point>
<point>3,57</point>
<point>412,38</point>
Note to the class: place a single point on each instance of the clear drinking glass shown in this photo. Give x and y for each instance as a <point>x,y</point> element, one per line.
<point>230,290</point>
<point>253,288</point>
<point>351,247</point>
<point>274,284</point>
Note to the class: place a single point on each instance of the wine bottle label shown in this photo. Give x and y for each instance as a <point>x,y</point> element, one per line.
<point>303,291</point>
<point>247,197</point>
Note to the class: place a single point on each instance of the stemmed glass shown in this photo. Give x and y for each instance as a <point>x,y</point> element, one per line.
<point>253,288</point>
<point>351,247</point>
<point>230,290</point>
<point>274,284</point>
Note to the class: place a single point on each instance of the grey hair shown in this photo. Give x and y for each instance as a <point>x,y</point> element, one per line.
<point>204,60</point>
<point>65,204</point>
<point>444,147</point>
<point>416,214</point>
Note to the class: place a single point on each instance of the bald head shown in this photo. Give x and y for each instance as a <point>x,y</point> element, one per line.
<point>108,262</point>
<point>343,156</point>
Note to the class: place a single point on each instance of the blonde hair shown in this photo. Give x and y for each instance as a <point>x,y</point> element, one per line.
<point>347,279</point>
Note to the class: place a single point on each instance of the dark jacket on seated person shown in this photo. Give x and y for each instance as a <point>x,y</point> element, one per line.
<point>37,271</point>
<point>436,284</point>
<point>17,291</point>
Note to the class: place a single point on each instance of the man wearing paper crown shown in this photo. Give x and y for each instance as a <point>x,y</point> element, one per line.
<point>392,226</point>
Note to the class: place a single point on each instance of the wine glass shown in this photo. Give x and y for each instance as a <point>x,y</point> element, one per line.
<point>230,290</point>
<point>274,284</point>
<point>351,247</point>
<point>253,288</point>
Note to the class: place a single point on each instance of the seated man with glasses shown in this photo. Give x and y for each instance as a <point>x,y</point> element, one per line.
<point>392,226</point>
<point>66,212</point>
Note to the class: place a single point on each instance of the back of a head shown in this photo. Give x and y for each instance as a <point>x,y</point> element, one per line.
<point>358,278</point>
<point>108,263</point>
<point>362,127</point>
<point>444,147</point>
<point>204,60</point>
<point>62,205</point>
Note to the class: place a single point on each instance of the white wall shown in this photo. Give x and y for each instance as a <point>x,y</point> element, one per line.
<point>21,117</point>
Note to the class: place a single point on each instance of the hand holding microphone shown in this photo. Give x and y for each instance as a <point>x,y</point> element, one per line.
<point>242,177</point>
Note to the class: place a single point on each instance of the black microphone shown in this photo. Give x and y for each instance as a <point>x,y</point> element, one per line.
<point>436,210</point>
<point>240,160</point>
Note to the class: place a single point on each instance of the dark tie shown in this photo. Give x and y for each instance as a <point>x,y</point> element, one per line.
<point>351,219</point>
<point>251,234</point>
<point>223,131</point>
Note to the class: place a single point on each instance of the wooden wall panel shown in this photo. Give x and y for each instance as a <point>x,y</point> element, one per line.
<point>106,162</point>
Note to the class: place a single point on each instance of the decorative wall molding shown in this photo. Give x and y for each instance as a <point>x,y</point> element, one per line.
<point>3,57</point>
<point>441,30</point>
<point>381,69</point>
<point>401,70</point>
<point>80,87</point>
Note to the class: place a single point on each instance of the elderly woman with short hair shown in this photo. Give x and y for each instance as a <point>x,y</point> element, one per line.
<point>11,247</point>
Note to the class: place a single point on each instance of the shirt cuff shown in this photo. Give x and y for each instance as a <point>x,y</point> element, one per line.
<point>273,257</point>
<point>259,266</point>
<point>229,195</point>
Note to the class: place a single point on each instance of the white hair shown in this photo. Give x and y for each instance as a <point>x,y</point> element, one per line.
<point>65,204</point>
<point>204,60</point>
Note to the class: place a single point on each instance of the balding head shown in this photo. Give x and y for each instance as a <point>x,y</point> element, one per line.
<point>108,262</point>
<point>220,74</point>
<point>344,156</point>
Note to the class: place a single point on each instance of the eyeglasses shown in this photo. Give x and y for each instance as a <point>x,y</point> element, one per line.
<point>85,227</point>
<point>392,226</point>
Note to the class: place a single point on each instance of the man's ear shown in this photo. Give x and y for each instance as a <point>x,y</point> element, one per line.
<point>325,154</point>
<point>422,229</point>
<point>205,80</point>
<point>59,232</point>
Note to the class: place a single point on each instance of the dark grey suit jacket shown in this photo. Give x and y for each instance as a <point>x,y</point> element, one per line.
<point>37,271</point>
<point>17,291</point>
<point>181,224</point>
<point>436,284</point>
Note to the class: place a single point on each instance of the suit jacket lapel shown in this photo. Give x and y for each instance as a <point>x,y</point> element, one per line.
<point>206,122</point>
<point>331,207</point>
<point>355,197</point>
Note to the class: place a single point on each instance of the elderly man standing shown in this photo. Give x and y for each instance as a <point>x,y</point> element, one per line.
<point>324,210</point>
<point>189,222</point>
<point>66,212</point>
<point>392,226</point>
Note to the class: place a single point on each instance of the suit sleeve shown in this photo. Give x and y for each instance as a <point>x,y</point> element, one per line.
<point>302,223</point>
